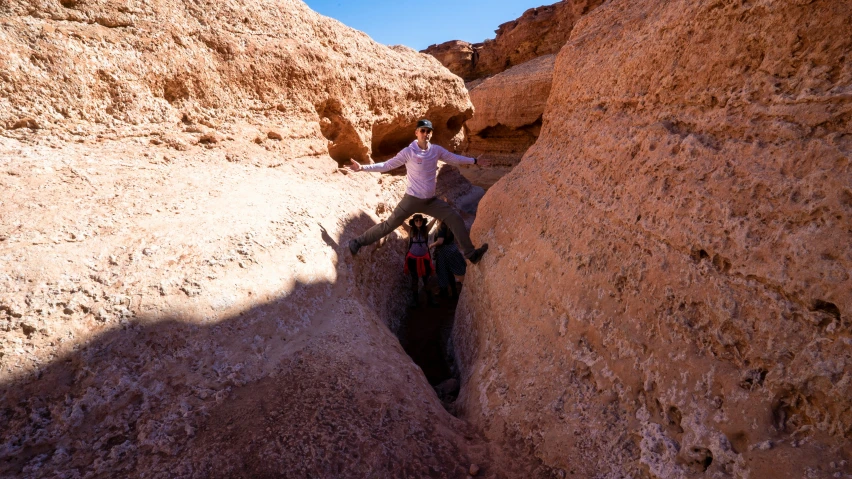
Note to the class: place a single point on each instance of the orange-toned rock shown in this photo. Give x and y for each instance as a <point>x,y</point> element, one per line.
<point>158,63</point>
<point>458,56</point>
<point>23,123</point>
<point>177,297</point>
<point>667,292</point>
<point>514,98</point>
<point>509,108</point>
<point>539,31</point>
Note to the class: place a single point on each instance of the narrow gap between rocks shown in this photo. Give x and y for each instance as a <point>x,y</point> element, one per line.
<point>425,335</point>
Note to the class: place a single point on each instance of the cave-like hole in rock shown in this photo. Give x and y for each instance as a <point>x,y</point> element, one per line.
<point>703,458</point>
<point>391,136</point>
<point>454,124</point>
<point>674,417</point>
<point>389,139</point>
<point>826,307</point>
<point>344,144</point>
<point>528,133</point>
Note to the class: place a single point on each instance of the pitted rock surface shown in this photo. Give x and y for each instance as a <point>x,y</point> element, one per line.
<point>539,31</point>
<point>275,64</point>
<point>177,297</point>
<point>667,292</point>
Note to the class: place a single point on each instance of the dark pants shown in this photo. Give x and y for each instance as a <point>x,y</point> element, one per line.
<point>432,207</point>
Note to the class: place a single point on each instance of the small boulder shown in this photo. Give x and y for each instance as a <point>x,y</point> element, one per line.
<point>25,123</point>
<point>210,138</point>
<point>28,328</point>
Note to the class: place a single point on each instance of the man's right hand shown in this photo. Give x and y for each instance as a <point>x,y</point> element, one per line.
<point>354,166</point>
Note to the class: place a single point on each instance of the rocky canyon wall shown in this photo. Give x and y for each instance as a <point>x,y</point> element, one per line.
<point>667,292</point>
<point>509,108</point>
<point>176,296</point>
<point>112,62</point>
<point>539,31</point>
<point>509,80</point>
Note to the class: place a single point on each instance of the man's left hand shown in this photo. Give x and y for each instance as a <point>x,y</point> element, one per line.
<point>480,161</point>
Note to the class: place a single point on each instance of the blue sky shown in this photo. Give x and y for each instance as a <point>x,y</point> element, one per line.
<point>420,24</point>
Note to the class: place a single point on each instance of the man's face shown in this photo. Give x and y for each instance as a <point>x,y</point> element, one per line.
<point>423,133</point>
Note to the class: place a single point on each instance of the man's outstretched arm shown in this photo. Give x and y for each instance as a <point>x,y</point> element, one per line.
<point>382,167</point>
<point>354,165</point>
<point>455,159</point>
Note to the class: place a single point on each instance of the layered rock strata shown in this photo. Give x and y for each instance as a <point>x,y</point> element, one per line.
<point>329,88</point>
<point>539,31</point>
<point>509,109</point>
<point>177,297</point>
<point>667,292</point>
<point>509,82</point>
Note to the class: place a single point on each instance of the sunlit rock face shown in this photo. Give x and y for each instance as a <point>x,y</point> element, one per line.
<point>509,80</point>
<point>539,31</point>
<point>112,63</point>
<point>509,110</point>
<point>667,292</point>
<point>176,294</point>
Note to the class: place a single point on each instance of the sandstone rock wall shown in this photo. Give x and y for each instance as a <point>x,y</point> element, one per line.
<point>222,331</point>
<point>142,63</point>
<point>667,292</point>
<point>509,81</point>
<point>539,31</point>
<point>176,296</point>
<point>509,109</point>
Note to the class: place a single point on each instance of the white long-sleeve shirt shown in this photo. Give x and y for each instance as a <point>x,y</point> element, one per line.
<point>421,166</point>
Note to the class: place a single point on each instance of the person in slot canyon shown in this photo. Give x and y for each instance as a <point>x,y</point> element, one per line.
<point>421,161</point>
<point>449,263</point>
<point>418,261</point>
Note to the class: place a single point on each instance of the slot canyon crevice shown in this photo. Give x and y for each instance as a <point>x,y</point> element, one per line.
<point>667,292</point>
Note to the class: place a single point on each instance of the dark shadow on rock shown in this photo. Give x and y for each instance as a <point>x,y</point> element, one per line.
<point>328,239</point>
<point>425,333</point>
<point>265,393</point>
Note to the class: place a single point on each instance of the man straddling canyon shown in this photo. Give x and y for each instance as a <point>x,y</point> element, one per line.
<point>421,161</point>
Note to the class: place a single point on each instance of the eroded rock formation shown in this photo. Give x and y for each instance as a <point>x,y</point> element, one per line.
<point>176,297</point>
<point>667,292</point>
<point>509,109</point>
<point>109,62</point>
<point>458,56</point>
<point>509,81</point>
<point>539,31</point>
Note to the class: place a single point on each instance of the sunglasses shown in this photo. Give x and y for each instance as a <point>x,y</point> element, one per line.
<point>424,130</point>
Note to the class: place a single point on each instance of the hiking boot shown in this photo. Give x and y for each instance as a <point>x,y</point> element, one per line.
<point>477,253</point>
<point>354,246</point>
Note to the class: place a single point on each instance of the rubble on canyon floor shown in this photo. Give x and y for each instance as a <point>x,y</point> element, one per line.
<point>667,292</point>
